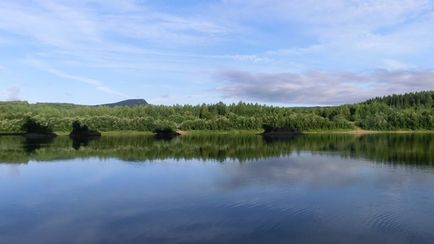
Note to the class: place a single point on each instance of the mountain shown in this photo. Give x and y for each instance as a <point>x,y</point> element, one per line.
<point>128,102</point>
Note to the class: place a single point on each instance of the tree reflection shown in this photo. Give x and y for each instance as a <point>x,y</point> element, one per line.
<point>77,143</point>
<point>415,149</point>
<point>30,145</point>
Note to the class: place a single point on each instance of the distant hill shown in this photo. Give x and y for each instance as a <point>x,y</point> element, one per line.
<point>128,102</point>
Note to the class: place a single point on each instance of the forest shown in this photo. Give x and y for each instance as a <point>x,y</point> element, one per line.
<point>411,111</point>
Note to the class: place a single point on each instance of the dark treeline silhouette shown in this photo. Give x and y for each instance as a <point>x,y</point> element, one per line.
<point>30,126</point>
<point>165,130</point>
<point>413,111</point>
<point>165,133</point>
<point>81,135</point>
<point>82,131</point>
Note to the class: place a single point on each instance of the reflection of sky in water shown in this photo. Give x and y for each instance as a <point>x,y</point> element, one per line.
<point>302,198</point>
<point>311,170</point>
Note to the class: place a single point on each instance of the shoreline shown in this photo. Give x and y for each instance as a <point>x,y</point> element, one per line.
<point>239,132</point>
<point>364,132</point>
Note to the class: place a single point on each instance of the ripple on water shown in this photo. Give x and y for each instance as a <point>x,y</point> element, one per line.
<point>386,222</point>
<point>298,212</point>
<point>302,216</point>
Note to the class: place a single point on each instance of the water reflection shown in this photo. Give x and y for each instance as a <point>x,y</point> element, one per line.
<point>310,189</point>
<point>415,149</point>
<point>319,171</point>
<point>300,198</point>
<point>77,143</point>
<point>30,145</point>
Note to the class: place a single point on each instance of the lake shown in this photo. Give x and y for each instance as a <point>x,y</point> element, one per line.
<point>376,188</point>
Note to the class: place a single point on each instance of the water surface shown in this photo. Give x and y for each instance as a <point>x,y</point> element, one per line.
<point>219,189</point>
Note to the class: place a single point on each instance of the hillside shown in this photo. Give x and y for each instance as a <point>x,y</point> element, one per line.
<point>128,102</point>
<point>412,111</point>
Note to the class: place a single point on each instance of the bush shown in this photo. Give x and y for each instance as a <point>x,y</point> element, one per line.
<point>32,126</point>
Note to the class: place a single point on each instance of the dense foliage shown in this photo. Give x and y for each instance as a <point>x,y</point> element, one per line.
<point>32,126</point>
<point>418,99</point>
<point>79,129</point>
<point>412,111</point>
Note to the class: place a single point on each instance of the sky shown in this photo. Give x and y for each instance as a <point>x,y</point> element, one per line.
<point>287,53</point>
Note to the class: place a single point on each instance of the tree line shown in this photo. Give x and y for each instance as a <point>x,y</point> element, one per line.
<point>413,111</point>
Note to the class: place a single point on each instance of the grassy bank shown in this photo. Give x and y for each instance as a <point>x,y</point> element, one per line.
<point>247,132</point>
<point>362,132</point>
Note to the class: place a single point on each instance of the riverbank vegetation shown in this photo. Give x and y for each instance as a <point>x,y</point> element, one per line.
<point>82,131</point>
<point>412,111</point>
<point>31,126</point>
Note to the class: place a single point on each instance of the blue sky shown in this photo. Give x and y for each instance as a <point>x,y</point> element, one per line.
<point>289,53</point>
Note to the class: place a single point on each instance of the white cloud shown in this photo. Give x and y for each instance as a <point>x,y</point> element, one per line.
<point>67,25</point>
<point>97,84</point>
<point>391,64</point>
<point>265,37</point>
<point>10,94</point>
<point>341,29</point>
<point>333,12</point>
<point>321,88</point>
<point>338,27</point>
<point>250,58</point>
<point>51,24</point>
<point>109,34</point>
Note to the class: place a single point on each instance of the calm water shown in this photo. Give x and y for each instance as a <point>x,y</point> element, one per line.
<point>220,189</point>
